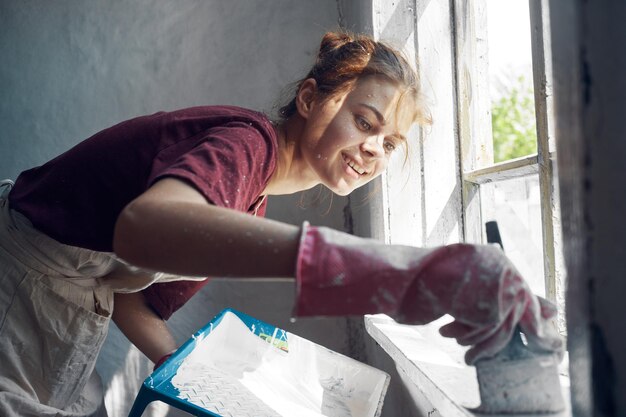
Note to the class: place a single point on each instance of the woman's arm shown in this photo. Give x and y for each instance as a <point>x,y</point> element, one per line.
<point>142,326</point>
<point>171,228</point>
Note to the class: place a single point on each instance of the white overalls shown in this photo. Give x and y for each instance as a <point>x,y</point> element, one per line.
<point>55,305</point>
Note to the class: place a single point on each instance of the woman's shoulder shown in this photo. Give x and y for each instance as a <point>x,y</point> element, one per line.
<point>200,118</point>
<point>220,112</point>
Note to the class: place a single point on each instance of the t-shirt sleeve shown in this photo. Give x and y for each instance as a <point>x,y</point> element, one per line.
<point>230,166</point>
<point>167,297</point>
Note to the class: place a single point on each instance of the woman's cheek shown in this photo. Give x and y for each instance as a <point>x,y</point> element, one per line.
<point>382,166</point>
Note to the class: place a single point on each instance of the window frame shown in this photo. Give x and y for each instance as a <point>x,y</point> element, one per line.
<point>437,203</point>
<point>475,172</point>
<point>448,39</point>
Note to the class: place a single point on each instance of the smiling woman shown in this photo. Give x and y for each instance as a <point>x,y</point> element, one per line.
<point>179,193</point>
<point>350,112</point>
<point>347,140</point>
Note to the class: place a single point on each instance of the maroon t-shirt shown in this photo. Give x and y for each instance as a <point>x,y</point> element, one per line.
<point>227,153</point>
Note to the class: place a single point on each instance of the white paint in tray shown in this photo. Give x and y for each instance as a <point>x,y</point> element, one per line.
<point>234,372</point>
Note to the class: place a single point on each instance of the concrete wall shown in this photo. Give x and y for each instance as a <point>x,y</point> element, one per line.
<point>71,68</point>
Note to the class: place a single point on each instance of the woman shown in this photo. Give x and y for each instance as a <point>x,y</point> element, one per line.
<point>173,192</point>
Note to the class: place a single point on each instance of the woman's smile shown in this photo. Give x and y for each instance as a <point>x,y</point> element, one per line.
<point>353,168</point>
<point>346,140</point>
<point>354,132</point>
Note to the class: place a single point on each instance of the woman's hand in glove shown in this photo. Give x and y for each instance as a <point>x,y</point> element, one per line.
<point>340,274</point>
<point>487,296</point>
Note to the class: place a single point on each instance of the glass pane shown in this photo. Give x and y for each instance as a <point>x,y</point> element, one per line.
<point>510,79</point>
<point>515,205</point>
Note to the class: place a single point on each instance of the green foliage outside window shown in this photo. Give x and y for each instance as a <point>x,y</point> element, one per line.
<point>513,121</point>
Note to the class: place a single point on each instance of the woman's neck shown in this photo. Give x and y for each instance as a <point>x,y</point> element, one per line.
<point>292,173</point>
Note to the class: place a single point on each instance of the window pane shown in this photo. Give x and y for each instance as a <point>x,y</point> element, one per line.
<point>510,79</point>
<point>515,205</point>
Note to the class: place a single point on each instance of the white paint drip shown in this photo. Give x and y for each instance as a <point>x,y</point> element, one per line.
<point>307,381</point>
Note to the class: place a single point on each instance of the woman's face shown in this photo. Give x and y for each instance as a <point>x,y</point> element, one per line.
<point>348,139</point>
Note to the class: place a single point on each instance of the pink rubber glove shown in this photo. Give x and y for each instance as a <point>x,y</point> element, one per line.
<point>339,274</point>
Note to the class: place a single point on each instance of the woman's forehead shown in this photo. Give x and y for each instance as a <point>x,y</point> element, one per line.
<point>385,97</point>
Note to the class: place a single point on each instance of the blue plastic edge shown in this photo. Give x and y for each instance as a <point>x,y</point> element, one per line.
<point>160,380</point>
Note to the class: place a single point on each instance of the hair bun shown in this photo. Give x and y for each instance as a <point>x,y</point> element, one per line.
<point>334,40</point>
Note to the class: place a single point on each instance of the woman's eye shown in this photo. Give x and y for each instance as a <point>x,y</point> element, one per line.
<point>363,124</point>
<point>390,146</point>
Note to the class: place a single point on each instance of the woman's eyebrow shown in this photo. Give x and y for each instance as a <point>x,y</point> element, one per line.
<point>381,119</point>
<point>402,138</point>
<point>377,113</point>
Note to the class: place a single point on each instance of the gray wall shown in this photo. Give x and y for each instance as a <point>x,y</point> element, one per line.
<point>71,68</point>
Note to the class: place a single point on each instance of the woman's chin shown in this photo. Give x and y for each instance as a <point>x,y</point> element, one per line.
<point>342,189</point>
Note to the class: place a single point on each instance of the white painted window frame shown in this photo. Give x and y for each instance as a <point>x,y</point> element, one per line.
<point>475,172</point>
<point>437,200</point>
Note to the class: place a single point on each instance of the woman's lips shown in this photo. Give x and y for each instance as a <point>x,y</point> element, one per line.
<point>354,165</point>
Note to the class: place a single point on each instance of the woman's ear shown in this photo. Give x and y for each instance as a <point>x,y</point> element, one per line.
<point>306,96</point>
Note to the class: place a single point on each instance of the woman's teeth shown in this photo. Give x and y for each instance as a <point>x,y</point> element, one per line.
<point>354,166</point>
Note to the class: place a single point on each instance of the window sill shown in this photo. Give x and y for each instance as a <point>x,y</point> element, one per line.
<point>435,365</point>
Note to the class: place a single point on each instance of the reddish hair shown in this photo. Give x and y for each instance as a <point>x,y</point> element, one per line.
<point>344,58</point>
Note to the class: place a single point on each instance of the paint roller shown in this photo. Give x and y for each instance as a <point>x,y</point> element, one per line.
<point>518,380</point>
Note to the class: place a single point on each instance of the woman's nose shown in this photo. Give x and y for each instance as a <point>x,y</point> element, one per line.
<point>373,146</point>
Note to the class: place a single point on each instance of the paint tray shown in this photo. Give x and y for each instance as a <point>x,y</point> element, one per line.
<point>239,366</point>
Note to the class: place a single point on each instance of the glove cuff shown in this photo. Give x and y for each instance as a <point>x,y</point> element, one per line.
<point>338,274</point>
